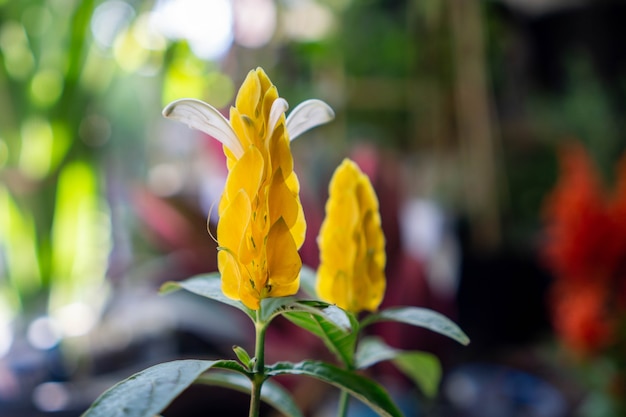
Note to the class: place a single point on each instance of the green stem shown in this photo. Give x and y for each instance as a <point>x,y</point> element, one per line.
<point>344,402</point>
<point>255,397</point>
<point>259,365</point>
<point>259,348</point>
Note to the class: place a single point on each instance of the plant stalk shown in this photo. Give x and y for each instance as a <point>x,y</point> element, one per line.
<point>259,365</point>
<point>344,402</point>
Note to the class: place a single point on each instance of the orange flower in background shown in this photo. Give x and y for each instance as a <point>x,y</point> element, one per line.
<point>586,250</point>
<point>576,216</point>
<point>618,209</point>
<point>582,318</point>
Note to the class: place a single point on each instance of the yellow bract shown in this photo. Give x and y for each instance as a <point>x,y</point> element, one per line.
<point>351,242</point>
<point>261,224</point>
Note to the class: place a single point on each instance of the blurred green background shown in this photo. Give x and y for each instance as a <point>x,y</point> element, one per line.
<point>458,102</point>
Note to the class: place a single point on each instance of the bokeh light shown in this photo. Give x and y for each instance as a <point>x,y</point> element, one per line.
<point>18,58</point>
<point>307,20</point>
<point>255,22</point>
<point>46,87</point>
<point>75,319</point>
<point>165,179</point>
<point>6,337</point>
<point>4,152</point>
<point>109,19</point>
<point>129,54</point>
<point>43,333</point>
<point>51,396</point>
<point>206,25</point>
<point>37,142</point>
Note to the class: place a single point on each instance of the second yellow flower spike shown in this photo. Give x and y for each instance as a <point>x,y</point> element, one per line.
<point>352,244</point>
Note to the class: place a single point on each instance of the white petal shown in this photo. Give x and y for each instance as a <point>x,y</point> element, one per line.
<point>205,118</point>
<point>279,106</point>
<point>307,115</point>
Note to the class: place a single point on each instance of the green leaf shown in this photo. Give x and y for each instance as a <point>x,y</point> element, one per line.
<point>271,393</point>
<point>329,312</point>
<point>373,350</point>
<point>209,286</point>
<point>243,356</point>
<point>424,369</point>
<point>369,392</point>
<point>327,321</point>
<point>308,279</point>
<point>272,307</point>
<point>341,341</point>
<point>150,391</point>
<point>421,317</point>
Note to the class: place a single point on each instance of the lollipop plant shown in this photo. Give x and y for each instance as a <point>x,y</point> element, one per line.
<point>260,230</point>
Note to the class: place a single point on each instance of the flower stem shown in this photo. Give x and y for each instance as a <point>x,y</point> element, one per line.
<point>259,365</point>
<point>255,397</point>
<point>344,402</point>
<point>259,348</point>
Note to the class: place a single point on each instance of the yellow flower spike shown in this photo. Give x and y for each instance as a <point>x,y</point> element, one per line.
<point>283,260</point>
<point>233,225</point>
<point>261,224</point>
<point>351,242</point>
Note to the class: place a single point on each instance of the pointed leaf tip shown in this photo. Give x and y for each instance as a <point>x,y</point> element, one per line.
<point>421,317</point>
<point>169,287</point>
<point>208,286</point>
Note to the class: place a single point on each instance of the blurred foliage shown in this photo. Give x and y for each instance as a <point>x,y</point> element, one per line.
<point>555,80</point>
<point>82,84</point>
<point>79,88</point>
<point>56,225</point>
